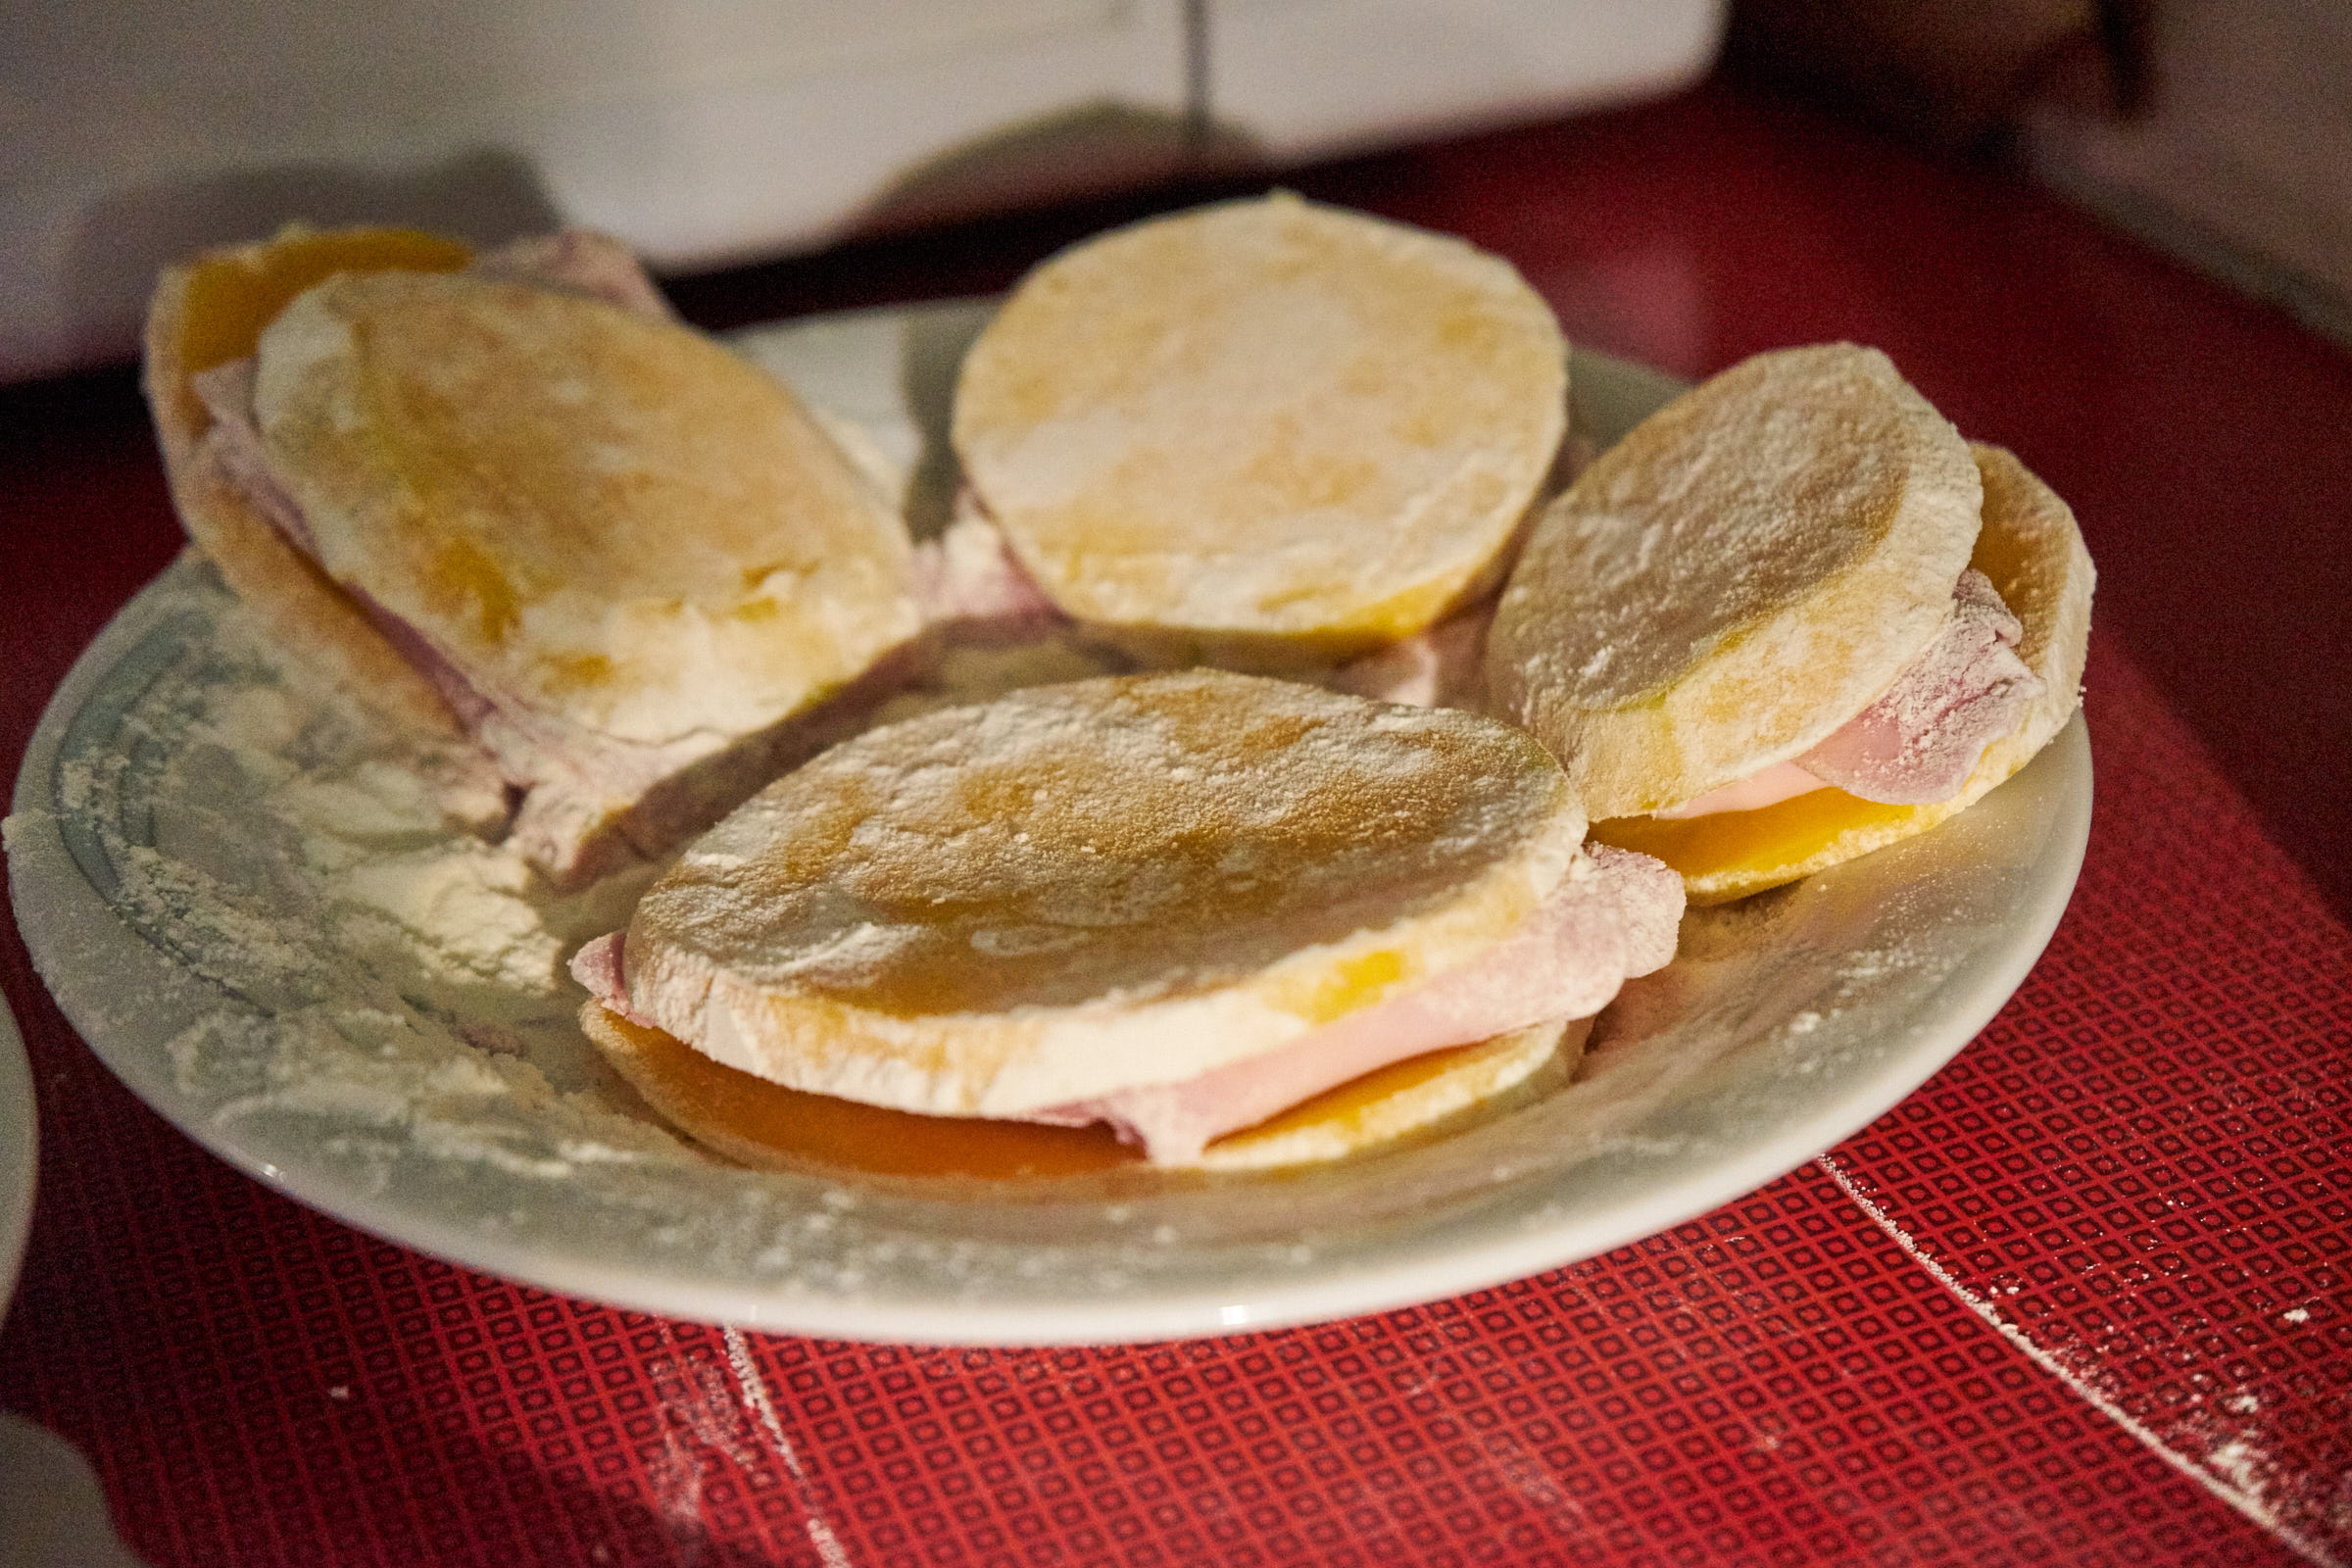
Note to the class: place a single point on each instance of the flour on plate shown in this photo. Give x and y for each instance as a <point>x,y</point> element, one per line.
<point>378,961</point>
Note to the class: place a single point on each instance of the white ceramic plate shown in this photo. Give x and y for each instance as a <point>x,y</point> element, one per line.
<point>19,1147</point>
<point>279,996</point>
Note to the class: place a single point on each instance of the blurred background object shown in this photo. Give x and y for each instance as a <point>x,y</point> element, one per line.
<point>2241,158</point>
<point>709,133</point>
<point>1955,74</point>
<point>706,132</point>
<point>2220,131</point>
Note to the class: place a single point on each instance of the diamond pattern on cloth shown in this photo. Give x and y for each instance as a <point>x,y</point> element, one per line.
<point>2127,1199</point>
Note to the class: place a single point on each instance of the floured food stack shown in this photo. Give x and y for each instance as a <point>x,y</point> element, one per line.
<point>509,499</point>
<point>1228,920</point>
<point>1263,434</point>
<point>1791,618</point>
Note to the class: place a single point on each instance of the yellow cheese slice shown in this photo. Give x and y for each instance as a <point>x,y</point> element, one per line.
<point>768,1127</point>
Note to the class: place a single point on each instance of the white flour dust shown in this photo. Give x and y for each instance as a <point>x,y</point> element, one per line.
<point>754,1393</point>
<point>2232,1466</point>
<point>372,961</point>
<point>376,963</point>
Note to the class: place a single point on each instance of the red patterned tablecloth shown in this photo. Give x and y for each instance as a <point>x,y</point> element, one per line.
<point>2081,1300</point>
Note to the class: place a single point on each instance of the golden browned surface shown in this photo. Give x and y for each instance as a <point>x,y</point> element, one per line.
<point>1745,571</point>
<point>210,310</point>
<point>1264,430</point>
<point>1131,832</point>
<point>613,517</point>
<point>950,913</point>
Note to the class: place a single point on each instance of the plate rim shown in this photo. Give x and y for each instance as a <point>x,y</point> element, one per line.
<point>20,1154</point>
<point>40,859</point>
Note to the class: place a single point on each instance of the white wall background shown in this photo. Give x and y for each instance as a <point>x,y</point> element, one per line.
<point>706,131</point>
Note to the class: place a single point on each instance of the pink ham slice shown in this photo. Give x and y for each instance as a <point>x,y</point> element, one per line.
<point>1782,781</point>
<point>1597,930</point>
<point>1438,667</point>
<point>1919,741</point>
<point>1613,920</point>
<point>598,967</point>
<point>968,582</point>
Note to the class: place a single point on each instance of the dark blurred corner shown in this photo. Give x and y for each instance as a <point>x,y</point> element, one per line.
<point>1960,76</point>
<point>2220,131</point>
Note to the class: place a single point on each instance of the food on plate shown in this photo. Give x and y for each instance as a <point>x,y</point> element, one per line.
<point>996,918</point>
<point>206,314</point>
<point>510,496</point>
<point>1263,433</point>
<point>1178,904</point>
<point>1792,617</point>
